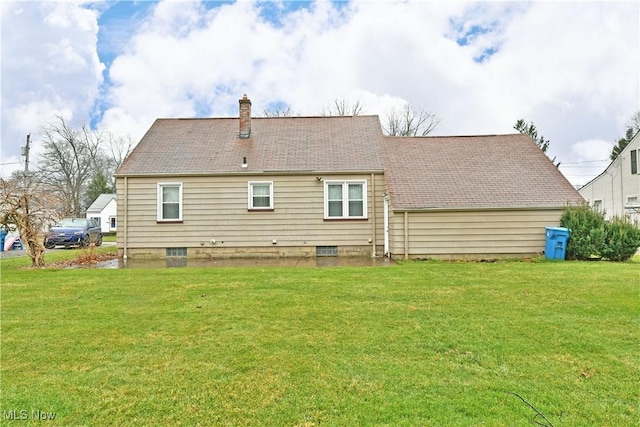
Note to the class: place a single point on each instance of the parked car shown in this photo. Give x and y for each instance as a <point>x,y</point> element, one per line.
<point>74,232</point>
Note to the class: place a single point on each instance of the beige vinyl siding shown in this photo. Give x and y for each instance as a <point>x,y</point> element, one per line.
<point>216,207</point>
<point>471,234</point>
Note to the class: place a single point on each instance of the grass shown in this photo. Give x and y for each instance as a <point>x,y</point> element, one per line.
<point>420,343</point>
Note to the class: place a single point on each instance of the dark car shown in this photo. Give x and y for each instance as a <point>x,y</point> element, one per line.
<point>74,232</point>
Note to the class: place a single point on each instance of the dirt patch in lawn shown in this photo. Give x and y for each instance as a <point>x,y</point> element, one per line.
<point>84,260</point>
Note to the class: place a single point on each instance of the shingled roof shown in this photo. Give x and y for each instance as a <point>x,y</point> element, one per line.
<point>461,172</point>
<point>276,144</point>
<point>473,172</point>
<point>100,203</point>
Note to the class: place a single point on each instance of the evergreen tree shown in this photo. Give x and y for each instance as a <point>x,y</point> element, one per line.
<point>530,129</point>
<point>99,185</point>
<point>622,143</point>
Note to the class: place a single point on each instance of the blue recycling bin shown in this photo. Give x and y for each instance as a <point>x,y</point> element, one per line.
<point>3,236</point>
<point>556,243</point>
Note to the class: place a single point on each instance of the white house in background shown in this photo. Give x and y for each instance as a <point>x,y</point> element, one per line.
<point>104,210</point>
<point>617,190</point>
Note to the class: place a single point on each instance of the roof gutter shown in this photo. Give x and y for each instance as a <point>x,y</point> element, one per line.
<point>482,209</point>
<point>247,173</point>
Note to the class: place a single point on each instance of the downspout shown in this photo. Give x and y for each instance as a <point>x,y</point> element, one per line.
<point>373,216</point>
<point>406,235</point>
<point>612,193</point>
<point>126,209</point>
<point>622,203</point>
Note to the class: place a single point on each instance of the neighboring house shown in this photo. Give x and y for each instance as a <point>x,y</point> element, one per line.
<point>616,191</point>
<point>323,186</point>
<point>104,210</point>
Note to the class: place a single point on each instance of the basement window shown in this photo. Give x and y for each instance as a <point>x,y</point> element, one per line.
<point>176,252</point>
<point>326,251</point>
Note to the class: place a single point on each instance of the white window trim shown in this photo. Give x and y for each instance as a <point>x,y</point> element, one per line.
<point>159,198</point>
<point>345,199</point>
<point>598,205</point>
<point>250,196</point>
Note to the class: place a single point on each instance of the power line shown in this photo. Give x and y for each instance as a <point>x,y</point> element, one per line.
<point>586,161</point>
<point>562,166</point>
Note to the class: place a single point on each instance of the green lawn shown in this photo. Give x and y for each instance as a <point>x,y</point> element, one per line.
<point>109,238</point>
<point>415,344</point>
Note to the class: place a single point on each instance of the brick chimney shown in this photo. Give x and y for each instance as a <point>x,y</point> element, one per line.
<point>245,117</point>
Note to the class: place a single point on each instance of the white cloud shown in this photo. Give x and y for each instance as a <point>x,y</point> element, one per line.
<point>572,68</point>
<point>589,158</point>
<point>592,150</point>
<point>50,67</point>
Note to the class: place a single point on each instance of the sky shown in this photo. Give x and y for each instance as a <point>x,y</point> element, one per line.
<point>572,68</point>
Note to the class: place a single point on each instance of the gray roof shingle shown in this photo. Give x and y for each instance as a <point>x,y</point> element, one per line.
<point>100,203</point>
<point>473,172</point>
<point>457,172</point>
<point>277,144</point>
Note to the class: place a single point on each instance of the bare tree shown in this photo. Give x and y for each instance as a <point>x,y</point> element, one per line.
<point>69,160</point>
<point>28,206</point>
<point>343,107</point>
<point>278,112</point>
<point>118,148</point>
<point>408,122</point>
<point>112,152</point>
<point>634,122</point>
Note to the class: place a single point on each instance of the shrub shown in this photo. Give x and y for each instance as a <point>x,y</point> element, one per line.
<point>587,232</point>
<point>593,237</point>
<point>87,255</point>
<point>622,239</point>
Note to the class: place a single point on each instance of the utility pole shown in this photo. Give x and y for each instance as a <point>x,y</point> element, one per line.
<point>25,153</point>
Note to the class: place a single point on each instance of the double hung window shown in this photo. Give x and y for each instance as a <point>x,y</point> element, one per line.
<point>260,195</point>
<point>170,201</point>
<point>345,199</point>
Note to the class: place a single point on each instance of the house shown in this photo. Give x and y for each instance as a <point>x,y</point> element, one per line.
<point>104,210</point>
<point>616,191</point>
<point>326,186</point>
